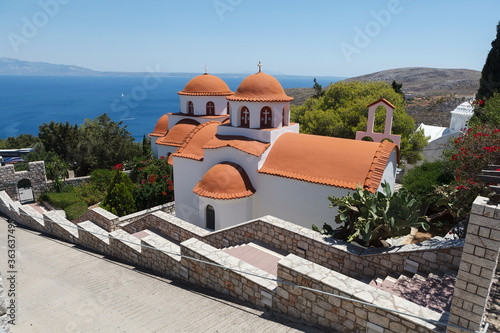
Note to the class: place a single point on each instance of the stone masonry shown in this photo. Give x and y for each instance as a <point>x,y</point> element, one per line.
<point>478,266</point>
<point>35,173</point>
<point>313,261</point>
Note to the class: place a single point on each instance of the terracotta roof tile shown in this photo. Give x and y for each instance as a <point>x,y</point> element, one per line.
<point>383,100</point>
<point>260,87</point>
<point>206,85</point>
<point>225,181</point>
<point>192,146</point>
<point>328,161</point>
<point>244,144</point>
<point>161,128</point>
<point>176,135</point>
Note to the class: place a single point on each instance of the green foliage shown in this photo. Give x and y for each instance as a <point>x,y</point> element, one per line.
<point>119,200</point>
<point>318,89</point>
<point>146,147</point>
<point>20,141</point>
<point>103,143</point>
<point>96,189</point>
<point>473,152</point>
<point>342,111</point>
<point>59,138</point>
<point>154,182</point>
<point>490,75</point>
<point>370,217</point>
<point>67,200</point>
<point>422,180</point>
<point>458,199</point>
<point>487,113</point>
<point>397,88</point>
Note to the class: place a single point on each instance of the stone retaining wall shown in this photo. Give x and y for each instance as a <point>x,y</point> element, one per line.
<point>200,244</point>
<point>35,173</point>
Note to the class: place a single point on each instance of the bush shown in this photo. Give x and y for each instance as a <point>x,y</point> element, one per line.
<point>119,199</point>
<point>73,205</point>
<point>422,180</point>
<point>370,217</point>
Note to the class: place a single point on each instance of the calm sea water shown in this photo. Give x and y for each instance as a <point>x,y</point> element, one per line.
<point>29,101</point>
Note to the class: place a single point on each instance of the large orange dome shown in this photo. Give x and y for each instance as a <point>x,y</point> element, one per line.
<point>225,181</point>
<point>260,87</point>
<point>206,85</point>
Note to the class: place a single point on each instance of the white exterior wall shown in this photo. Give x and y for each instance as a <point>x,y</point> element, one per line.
<point>187,173</point>
<point>200,104</point>
<point>227,212</point>
<point>296,201</point>
<point>264,135</point>
<point>163,150</point>
<point>154,146</point>
<point>255,108</point>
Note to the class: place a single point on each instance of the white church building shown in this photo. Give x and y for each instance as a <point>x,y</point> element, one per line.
<point>440,136</point>
<point>237,157</point>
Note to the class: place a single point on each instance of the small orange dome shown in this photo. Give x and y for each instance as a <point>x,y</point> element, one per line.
<point>225,181</point>
<point>260,87</point>
<point>161,128</point>
<point>206,85</point>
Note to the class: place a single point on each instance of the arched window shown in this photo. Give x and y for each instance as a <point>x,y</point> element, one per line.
<point>266,117</point>
<point>228,109</point>
<point>245,117</point>
<point>190,108</point>
<point>210,217</point>
<point>210,109</point>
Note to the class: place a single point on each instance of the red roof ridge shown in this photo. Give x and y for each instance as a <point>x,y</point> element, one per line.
<point>383,100</point>
<point>242,143</point>
<point>377,168</point>
<point>180,152</point>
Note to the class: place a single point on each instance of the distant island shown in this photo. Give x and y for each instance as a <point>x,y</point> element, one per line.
<point>10,66</point>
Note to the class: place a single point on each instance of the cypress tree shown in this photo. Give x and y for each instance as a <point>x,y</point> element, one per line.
<point>490,75</point>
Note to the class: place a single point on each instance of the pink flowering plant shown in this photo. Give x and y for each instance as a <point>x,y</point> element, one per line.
<point>154,184</point>
<point>473,152</point>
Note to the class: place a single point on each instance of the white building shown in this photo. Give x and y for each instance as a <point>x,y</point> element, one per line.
<point>440,136</point>
<point>236,157</point>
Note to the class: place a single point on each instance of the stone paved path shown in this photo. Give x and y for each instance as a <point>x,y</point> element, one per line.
<point>62,288</point>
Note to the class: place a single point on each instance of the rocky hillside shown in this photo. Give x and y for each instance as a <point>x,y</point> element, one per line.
<point>431,93</point>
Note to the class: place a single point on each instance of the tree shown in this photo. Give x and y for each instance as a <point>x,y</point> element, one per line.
<point>119,199</point>
<point>60,138</point>
<point>146,146</point>
<point>487,112</point>
<point>318,89</point>
<point>20,141</point>
<point>343,110</point>
<point>490,75</point>
<point>398,88</point>
<point>103,143</point>
<point>154,185</point>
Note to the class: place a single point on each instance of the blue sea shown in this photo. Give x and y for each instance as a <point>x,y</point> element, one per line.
<point>138,101</point>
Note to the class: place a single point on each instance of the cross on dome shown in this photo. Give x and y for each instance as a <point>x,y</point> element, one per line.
<point>206,69</point>
<point>260,66</point>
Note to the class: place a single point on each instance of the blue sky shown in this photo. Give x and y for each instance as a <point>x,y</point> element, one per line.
<point>314,37</point>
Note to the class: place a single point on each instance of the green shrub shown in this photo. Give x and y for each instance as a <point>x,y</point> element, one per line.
<point>73,205</point>
<point>119,199</point>
<point>370,217</point>
<point>422,180</point>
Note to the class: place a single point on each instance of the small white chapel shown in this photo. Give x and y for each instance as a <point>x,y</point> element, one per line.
<point>237,157</point>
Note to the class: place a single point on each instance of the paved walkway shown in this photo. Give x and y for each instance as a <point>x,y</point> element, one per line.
<point>62,288</point>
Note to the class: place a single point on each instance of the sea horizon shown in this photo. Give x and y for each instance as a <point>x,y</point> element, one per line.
<point>138,101</point>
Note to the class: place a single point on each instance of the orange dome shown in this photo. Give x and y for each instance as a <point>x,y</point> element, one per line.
<point>225,181</point>
<point>206,85</point>
<point>161,128</point>
<point>260,87</point>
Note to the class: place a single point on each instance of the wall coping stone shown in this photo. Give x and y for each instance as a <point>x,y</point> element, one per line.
<point>162,244</point>
<point>222,258</point>
<point>130,240</point>
<point>95,230</point>
<point>358,290</point>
